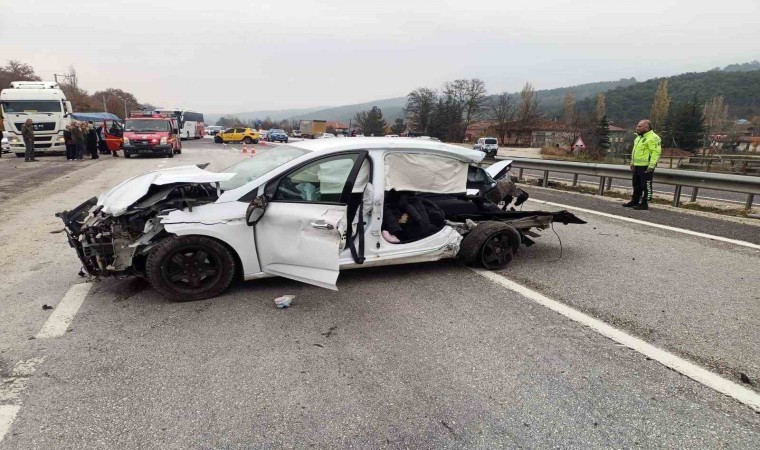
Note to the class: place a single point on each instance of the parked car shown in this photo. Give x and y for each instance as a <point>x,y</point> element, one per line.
<point>391,135</point>
<point>237,134</point>
<point>487,145</point>
<point>295,133</point>
<point>5,145</point>
<point>212,130</point>
<point>277,135</point>
<point>303,211</point>
<point>325,136</point>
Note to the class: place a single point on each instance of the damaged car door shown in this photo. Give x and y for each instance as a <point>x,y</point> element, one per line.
<point>304,226</point>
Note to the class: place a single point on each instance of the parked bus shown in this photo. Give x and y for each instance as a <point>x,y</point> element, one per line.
<point>190,122</point>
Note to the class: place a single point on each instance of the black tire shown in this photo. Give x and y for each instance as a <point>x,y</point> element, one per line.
<point>248,140</point>
<point>188,268</point>
<point>255,141</point>
<point>171,154</point>
<point>127,155</point>
<point>218,140</point>
<point>491,245</point>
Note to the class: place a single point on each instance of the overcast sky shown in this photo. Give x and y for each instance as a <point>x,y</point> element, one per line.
<point>234,56</point>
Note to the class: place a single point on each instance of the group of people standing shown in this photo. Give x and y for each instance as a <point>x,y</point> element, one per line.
<point>84,137</point>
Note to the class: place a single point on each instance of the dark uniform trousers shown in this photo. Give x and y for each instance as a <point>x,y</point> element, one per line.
<point>642,185</point>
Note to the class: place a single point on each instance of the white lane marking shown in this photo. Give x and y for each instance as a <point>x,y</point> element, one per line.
<point>655,225</point>
<point>64,313</point>
<point>680,365</point>
<point>11,390</point>
<point>7,416</point>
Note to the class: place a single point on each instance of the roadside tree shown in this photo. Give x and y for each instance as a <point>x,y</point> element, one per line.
<point>420,104</point>
<point>115,101</point>
<point>500,110</point>
<point>569,113</point>
<point>601,145</point>
<point>471,96</point>
<point>446,122</point>
<point>716,117</point>
<point>16,71</point>
<point>684,128</point>
<point>527,111</point>
<point>399,126</point>
<point>660,106</point>
<point>371,123</point>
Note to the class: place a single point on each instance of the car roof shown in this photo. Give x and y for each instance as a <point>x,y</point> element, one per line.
<point>372,143</point>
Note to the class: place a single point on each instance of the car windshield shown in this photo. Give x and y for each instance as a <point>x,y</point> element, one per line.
<point>275,130</point>
<point>490,141</point>
<point>266,160</point>
<point>145,125</point>
<point>31,106</point>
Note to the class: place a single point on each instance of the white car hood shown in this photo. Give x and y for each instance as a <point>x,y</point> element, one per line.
<point>118,199</point>
<point>494,169</point>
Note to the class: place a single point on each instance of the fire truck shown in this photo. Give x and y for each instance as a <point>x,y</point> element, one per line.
<point>151,133</point>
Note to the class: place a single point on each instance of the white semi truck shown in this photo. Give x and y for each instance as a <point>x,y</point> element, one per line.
<point>45,103</point>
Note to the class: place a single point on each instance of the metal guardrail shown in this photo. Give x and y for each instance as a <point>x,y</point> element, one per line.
<point>679,178</point>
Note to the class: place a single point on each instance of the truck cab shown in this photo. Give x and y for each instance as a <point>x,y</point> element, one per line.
<point>148,133</point>
<point>43,102</point>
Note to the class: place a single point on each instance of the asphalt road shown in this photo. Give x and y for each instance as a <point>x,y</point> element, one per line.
<point>427,355</point>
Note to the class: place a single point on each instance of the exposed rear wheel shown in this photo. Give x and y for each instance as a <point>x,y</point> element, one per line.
<point>491,245</point>
<point>248,140</point>
<point>187,268</point>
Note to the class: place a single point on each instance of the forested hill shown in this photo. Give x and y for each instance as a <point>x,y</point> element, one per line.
<point>554,99</point>
<point>741,91</point>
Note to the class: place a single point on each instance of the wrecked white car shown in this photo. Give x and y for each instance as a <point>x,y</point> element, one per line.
<point>303,211</point>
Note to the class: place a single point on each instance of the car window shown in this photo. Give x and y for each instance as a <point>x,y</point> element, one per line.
<point>231,130</point>
<point>319,182</point>
<point>266,160</point>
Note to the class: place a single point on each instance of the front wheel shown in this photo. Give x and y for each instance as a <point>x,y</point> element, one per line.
<point>248,140</point>
<point>187,268</point>
<point>217,140</point>
<point>255,141</point>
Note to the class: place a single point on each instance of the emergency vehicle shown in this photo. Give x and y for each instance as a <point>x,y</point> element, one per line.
<point>151,133</point>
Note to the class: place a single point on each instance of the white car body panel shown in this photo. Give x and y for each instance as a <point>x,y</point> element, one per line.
<point>117,200</point>
<point>222,221</point>
<point>494,169</point>
<point>290,244</point>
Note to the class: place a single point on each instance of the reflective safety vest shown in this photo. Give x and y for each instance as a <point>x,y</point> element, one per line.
<point>646,150</point>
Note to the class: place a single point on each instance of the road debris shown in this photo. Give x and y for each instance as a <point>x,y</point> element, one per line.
<point>46,307</point>
<point>284,301</point>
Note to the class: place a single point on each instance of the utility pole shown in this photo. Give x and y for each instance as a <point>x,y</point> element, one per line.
<point>125,108</point>
<point>105,108</point>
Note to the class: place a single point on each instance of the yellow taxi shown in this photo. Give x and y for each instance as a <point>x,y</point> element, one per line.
<point>237,134</point>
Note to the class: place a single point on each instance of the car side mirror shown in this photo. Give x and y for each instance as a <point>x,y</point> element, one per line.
<point>256,210</point>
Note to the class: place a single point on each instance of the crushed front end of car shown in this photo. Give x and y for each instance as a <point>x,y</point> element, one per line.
<point>113,235</point>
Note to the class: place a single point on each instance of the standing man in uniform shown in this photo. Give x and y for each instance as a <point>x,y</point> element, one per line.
<point>646,152</point>
<point>27,132</point>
